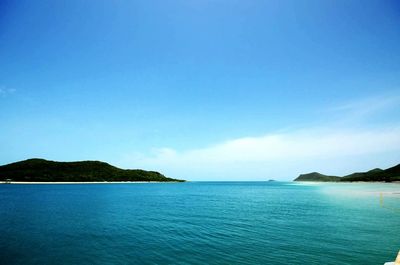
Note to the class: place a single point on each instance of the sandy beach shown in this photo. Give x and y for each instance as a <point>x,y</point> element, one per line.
<point>86,182</point>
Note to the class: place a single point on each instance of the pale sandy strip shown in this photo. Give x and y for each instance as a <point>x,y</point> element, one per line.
<point>85,182</point>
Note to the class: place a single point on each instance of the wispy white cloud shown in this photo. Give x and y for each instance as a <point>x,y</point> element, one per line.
<point>330,148</point>
<point>4,91</point>
<point>362,109</point>
<point>271,152</point>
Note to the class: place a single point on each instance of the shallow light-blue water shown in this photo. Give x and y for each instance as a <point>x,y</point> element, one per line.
<point>198,223</point>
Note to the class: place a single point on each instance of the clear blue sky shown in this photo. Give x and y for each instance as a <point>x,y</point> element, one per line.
<point>171,85</point>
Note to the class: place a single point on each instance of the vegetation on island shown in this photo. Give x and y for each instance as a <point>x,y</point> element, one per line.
<point>41,170</point>
<point>377,174</point>
<point>315,176</point>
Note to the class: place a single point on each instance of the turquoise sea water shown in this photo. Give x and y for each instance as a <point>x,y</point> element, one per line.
<point>199,223</point>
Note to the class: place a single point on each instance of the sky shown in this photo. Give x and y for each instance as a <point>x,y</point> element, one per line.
<point>203,90</point>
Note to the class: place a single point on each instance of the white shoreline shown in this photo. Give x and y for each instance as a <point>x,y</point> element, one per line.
<point>85,182</point>
<point>345,182</point>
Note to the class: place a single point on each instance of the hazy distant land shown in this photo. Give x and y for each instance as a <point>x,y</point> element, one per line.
<point>374,175</point>
<point>41,170</point>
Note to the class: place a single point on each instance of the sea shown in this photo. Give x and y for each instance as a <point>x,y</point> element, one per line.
<point>200,223</point>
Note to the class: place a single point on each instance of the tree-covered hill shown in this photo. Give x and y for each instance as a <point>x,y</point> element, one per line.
<point>38,170</point>
<point>315,176</point>
<point>377,174</point>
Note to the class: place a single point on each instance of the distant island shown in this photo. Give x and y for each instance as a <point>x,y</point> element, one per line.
<point>41,170</point>
<point>377,174</point>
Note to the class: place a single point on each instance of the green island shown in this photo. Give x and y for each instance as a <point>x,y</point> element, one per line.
<point>41,170</point>
<point>374,175</point>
